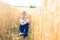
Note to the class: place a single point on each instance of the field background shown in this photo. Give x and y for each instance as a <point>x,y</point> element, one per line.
<point>45,21</point>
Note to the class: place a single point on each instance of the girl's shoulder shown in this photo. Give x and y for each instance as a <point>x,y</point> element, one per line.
<point>27,19</point>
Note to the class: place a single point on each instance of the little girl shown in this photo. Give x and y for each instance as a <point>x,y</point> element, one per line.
<point>24,25</point>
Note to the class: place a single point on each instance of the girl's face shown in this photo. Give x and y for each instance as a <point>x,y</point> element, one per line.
<point>24,14</point>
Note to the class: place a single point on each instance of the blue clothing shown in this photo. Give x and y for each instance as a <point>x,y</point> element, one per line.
<point>24,29</point>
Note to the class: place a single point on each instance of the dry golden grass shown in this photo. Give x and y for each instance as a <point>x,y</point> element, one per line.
<point>45,22</point>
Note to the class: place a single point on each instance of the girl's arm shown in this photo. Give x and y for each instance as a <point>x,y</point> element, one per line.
<point>22,23</point>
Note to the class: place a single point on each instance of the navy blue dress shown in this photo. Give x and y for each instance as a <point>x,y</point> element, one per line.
<point>24,29</point>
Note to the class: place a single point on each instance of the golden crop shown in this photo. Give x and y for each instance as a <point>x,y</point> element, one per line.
<point>45,21</point>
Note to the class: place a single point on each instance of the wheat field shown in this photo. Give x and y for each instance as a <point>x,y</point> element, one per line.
<point>45,21</point>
